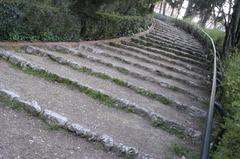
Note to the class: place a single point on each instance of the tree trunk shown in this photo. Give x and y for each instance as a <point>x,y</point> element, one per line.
<point>232,31</point>
<point>172,11</point>
<point>164,7</point>
<point>189,11</point>
<point>179,7</point>
<point>205,16</point>
<point>160,8</point>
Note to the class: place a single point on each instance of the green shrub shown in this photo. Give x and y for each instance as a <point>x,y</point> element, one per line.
<point>27,20</point>
<point>106,25</point>
<point>229,147</point>
<point>41,20</point>
<point>217,35</point>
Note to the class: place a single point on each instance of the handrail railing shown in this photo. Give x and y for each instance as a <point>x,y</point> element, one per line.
<point>216,83</point>
<point>208,128</point>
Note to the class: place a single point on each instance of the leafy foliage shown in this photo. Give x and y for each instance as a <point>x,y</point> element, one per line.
<point>51,20</point>
<point>23,20</point>
<point>217,35</point>
<point>108,26</point>
<point>229,146</point>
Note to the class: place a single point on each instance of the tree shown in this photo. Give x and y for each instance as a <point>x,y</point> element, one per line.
<point>203,8</point>
<point>190,12</point>
<point>232,37</point>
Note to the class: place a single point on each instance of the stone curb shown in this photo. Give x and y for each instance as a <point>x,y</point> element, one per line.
<point>154,71</point>
<point>192,110</point>
<point>144,59</point>
<point>118,103</point>
<point>162,52</point>
<point>52,117</point>
<point>177,51</point>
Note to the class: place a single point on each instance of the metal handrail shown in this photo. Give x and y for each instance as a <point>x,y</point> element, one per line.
<point>213,100</point>
<point>208,128</point>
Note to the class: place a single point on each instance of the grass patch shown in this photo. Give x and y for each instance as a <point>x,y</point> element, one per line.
<point>229,147</point>
<point>217,35</point>
<point>105,99</point>
<point>53,126</point>
<point>182,150</point>
<point>11,104</point>
<point>119,82</point>
<point>158,123</point>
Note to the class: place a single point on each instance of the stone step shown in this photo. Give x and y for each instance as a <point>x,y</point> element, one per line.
<point>176,36</point>
<point>178,41</point>
<point>165,53</point>
<point>200,52</point>
<point>107,73</point>
<point>155,44</point>
<point>169,27</point>
<point>121,126</point>
<point>153,56</point>
<point>145,66</point>
<point>175,32</point>
<point>134,72</point>
<point>115,96</point>
<point>163,64</point>
<point>171,53</point>
<point>33,138</point>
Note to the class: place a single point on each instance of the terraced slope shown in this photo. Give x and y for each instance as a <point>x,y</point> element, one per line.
<point>139,96</point>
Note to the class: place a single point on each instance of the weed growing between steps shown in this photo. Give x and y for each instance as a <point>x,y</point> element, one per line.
<point>105,99</point>
<point>182,150</point>
<point>11,105</point>
<point>119,82</point>
<point>169,127</point>
<point>53,126</point>
<point>176,131</point>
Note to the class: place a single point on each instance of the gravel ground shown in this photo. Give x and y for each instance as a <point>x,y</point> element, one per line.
<point>23,136</point>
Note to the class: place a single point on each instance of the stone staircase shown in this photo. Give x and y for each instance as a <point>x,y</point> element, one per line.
<point>136,96</point>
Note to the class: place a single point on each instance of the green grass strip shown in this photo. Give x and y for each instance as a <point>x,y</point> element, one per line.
<point>119,82</point>
<point>105,99</point>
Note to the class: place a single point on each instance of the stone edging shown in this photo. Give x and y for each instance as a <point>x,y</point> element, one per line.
<point>52,117</point>
<point>118,103</point>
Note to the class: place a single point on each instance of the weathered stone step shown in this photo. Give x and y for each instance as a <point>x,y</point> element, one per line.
<point>175,32</point>
<point>163,64</point>
<point>33,138</point>
<point>145,66</point>
<point>169,27</point>
<point>161,58</point>
<point>155,44</point>
<point>173,53</point>
<point>117,96</point>
<point>123,127</point>
<point>195,53</point>
<point>144,46</point>
<point>200,52</point>
<point>119,79</point>
<point>178,41</point>
<point>177,36</point>
<point>134,72</point>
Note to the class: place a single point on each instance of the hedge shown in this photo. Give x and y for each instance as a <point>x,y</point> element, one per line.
<point>109,26</point>
<point>25,20</point>
<point>38,20</point>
